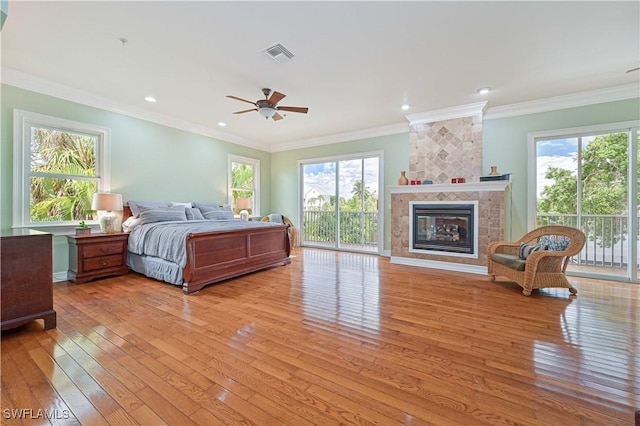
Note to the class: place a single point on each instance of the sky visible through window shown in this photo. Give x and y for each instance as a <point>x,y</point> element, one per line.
<point>322,176</point>
<point>561,153</point>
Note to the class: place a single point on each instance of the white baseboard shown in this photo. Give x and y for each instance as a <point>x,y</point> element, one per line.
<point>386,253</point>
<point>60,276</point>
<point>447,266</point>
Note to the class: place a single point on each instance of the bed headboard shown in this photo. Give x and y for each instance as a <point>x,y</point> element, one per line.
<point>126,212</point>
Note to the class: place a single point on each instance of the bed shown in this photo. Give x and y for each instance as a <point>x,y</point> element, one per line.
<point>202,249</point>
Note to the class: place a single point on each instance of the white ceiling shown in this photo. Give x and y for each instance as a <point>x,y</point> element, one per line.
<point>355,63</point>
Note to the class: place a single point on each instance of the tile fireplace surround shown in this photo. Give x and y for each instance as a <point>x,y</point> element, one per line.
<point>494,224</point>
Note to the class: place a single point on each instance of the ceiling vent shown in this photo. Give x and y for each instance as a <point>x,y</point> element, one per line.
<point>278,53</point>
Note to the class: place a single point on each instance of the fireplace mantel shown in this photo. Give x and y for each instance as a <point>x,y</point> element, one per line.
<point>494,221</point>
<point>495,185</point>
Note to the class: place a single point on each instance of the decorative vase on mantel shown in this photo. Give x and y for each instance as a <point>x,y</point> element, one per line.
<point>494,171</point>
<point>403,179</point>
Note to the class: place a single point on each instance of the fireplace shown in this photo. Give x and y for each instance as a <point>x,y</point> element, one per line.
<point>447,228</point>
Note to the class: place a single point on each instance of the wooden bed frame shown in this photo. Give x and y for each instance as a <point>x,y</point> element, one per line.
<point>220,255</point>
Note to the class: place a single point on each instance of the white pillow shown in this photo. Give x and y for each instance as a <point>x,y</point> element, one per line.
<point>175,203</point>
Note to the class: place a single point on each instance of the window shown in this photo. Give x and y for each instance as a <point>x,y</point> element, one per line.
<point>583,177</point>
<point>340,199</point>
<point>244,185</point>
<point>58,166</point>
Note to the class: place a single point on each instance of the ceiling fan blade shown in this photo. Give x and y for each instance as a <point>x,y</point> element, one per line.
<point>246,110</point>
<point>240,99</point>
<point>277,117</point>
<point>632,70</point>
<point>276,97</point>
<point>302,110</point>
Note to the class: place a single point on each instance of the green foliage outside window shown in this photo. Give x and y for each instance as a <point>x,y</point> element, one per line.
<point>358,218</point>
<point>242,183</point>
<point>604,182</point>
<point>62,176</point>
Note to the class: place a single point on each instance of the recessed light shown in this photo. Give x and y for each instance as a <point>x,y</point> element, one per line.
<point>221,124</point>
<point>484,90</point>
<point>150,99</point>
<point>405,107</point>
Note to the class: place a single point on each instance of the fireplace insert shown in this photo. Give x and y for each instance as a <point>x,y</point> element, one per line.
<point>448,228</point>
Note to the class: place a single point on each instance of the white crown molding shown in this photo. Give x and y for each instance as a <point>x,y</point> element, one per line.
<point>391,129</point>
<point>592,97</point>
<point>451,113</point>
<point>29,82</point>
<point>35,84</point>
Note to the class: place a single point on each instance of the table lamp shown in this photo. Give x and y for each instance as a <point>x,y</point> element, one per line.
<point>106,204</point>
<point>243,204</point>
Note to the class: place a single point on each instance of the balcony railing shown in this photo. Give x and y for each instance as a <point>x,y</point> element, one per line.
<point>358,230</point>
<point>607,240</point>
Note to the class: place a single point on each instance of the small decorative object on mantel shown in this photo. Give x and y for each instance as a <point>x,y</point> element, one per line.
<point>427,182</point>
<point>458,180</point>
<point>83,229</point>
<point>403,180</point>
<point>415,182</point>
<point>494,171</point>
<point>505,176</point>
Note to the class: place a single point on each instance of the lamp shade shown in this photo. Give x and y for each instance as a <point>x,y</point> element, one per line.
<point>108,202</point>
<point>244,203</point>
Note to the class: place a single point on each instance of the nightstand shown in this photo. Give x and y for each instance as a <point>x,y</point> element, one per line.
<point>97,255</point>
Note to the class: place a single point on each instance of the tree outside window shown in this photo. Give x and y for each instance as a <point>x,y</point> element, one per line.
<point>62,176</point>
<point>244,179</point>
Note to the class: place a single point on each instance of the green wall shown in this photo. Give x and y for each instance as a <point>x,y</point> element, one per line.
<point>284,173</point>
<point>505,143</point>
<point>148,161</point>
<point>151,161</point>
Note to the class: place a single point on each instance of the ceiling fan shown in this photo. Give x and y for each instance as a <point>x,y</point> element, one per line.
<point>268,107</point>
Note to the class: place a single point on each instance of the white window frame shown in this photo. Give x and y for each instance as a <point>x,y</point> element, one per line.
<point>337,158</point>
<point>630,127</point>
<point>256,180</point>
<point>22,123</point>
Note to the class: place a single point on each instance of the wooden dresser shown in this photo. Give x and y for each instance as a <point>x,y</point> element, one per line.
<point>94,256</point>
<point>26,278</point>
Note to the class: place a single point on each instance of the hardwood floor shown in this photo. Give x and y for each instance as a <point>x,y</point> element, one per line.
<point>333,338</point>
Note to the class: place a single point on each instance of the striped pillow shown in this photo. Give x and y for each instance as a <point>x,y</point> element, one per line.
<point>194,214</point>
<point>218,214</point>
<point>526,250</point>
<point>162,214</point>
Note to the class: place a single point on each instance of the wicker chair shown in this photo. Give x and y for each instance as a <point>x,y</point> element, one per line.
<point>542,268</point>
<point>278,218</point>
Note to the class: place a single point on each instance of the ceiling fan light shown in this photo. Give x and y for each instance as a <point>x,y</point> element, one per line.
<point>267,112</point>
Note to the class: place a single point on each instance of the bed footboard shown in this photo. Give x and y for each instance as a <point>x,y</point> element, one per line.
<point>217,256</point>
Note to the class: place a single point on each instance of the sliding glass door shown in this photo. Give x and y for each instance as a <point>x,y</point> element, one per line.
<point>589,181</point>
<point>340,199</point>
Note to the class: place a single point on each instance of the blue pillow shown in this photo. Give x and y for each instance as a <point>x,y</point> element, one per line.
<point>136,205</point>
<point>161,214</point>
<point>217,214</point>
<point>555,242</point>
<point>194,214</point>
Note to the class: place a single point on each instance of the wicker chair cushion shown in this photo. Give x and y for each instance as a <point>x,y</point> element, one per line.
<point>510,261</point>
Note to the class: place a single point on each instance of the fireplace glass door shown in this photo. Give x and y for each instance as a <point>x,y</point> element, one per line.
<point>444,228</point>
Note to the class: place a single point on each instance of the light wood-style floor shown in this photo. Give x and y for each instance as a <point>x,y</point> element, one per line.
<point>333,338</point>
